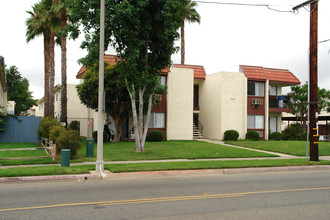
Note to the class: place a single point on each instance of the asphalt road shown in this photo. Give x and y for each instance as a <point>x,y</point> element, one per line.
<point>275,195</point>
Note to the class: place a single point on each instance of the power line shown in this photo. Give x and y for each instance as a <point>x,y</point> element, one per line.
<point>270,7</point>
<point>323,41</point>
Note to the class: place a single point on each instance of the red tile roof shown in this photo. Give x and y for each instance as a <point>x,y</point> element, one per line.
<point>199,71</point>
<point>259,73</point>
<point>110,58</point>
<point>281,76</point>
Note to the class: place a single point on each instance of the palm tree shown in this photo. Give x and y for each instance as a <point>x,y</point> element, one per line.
<point>61,11</point>
<point>35,27</point>
<point>191,15</point>
<point>43,21</point>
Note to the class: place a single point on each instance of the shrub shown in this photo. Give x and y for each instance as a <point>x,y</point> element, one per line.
<point>2,121</point>
<point>292,132</point>
<point>156,136</point>
<point>252,135</point>
<point>94,134</point>
<point>277,136</point>
<point>302,137</point>
<point>231,135</point>
<point>46,125</point>
<point>75,125</point>
<point>69,139</point>
<point>55,132</point>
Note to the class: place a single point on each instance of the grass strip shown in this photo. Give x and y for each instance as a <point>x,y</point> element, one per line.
<point>18,145</point>
<point>45,170</point>
<point>136,167</point>
<point>210,165</point>
<point>297,148</point>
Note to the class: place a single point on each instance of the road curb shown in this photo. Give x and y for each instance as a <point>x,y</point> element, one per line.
<point>167,173</point>
<point>50,178</point>
<point>150,174</point>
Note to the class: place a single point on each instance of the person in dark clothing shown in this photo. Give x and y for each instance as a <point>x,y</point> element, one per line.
<point>106,129</point>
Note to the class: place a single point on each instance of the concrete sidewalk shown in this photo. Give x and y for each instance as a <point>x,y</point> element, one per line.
<point>106,175</point>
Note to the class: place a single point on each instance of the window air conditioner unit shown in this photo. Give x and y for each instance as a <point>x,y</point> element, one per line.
<point>257,101</point>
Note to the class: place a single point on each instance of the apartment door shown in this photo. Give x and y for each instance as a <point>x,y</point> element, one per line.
<point>273,124</point>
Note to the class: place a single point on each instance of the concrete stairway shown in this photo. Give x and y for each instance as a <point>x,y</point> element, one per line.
<point>196,133</point>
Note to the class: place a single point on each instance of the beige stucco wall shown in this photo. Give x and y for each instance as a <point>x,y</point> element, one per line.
<point>223,98</point>
<point>180,104</point>
<point>78,111</point>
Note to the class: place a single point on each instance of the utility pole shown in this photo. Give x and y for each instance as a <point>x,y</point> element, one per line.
<point>100,119</point>
<point>313,88</point>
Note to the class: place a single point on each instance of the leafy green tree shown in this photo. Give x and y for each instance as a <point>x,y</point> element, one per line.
<point>18,90</point>
<point>299,101</point>
<point>117,103</point>
<point>190,14</point>
<point>143,33</point>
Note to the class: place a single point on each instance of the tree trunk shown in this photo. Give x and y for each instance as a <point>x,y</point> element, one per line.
<point>46,79</point>
<point>182,43</point>
<point>135,118</point>
<point>63,72</point>
<point>146,127</point>
<point>141,93</point>
<point>52,74</point>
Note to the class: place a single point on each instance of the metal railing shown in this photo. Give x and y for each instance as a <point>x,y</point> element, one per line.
<point>198,123</point>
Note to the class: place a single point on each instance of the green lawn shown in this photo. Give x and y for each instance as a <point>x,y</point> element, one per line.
<point>124,151</point>
<point>209,165</point>
<point>27,153</point>
<point>297,148</point>
<point>45,171</point>
<point>134,167</point>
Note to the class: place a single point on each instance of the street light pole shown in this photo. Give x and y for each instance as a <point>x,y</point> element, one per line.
<point>313,89</point>
<point>99,160</point>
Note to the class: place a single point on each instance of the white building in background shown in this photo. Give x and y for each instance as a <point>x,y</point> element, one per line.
<point>10,109</point>
<point>75,110</point>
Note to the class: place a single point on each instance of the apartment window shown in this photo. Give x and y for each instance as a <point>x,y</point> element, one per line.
<point>162,80</point>
<point>56,97</point>
<point>255,122</point>
<point>157,120</point>
<point>272,90</point>
<point>256,88</point>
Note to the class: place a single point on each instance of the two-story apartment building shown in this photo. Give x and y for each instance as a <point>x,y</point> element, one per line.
<point>174,111</point>
<point>265,102</point>
<point>250,99</point>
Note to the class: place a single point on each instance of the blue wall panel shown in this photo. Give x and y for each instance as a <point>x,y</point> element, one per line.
<point>23,129</point>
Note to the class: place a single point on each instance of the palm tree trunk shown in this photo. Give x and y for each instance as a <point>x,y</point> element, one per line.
<point>63,72</point>
<point>52,74</point>
<point>182,44</point>
<point>46,78</point>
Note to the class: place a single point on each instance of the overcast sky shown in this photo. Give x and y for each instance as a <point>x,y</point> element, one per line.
<point>228,36</point>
